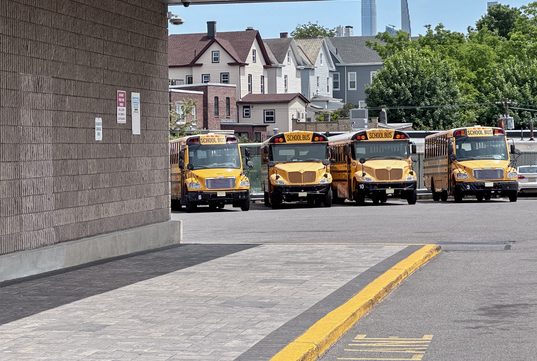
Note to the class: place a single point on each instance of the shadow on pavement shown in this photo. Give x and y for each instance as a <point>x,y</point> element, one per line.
<point>28,297</point>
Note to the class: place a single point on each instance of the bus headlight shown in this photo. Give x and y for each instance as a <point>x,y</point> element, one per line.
<point>194,185</point>
<point>512,175</point>
<point>461,175</point>
<point>244,183</point>
<point>324,180</point>
<point>410,178</point>
<point>368,179</point>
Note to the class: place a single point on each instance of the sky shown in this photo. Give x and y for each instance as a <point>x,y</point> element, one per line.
<point>273,18</point>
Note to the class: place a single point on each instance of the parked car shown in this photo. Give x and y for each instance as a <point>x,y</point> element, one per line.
<point>527,178</point>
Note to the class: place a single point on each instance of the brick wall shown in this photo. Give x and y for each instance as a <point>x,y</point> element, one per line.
<point>61,62</point>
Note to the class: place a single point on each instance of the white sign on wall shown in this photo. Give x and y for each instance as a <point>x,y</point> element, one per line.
<point>121,100</point>
<point>98,129</point>
<point>135,103</point>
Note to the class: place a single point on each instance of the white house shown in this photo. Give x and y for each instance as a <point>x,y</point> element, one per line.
<point>286,75</point>
<point>319,81</point>
<point>237,57</point>
<point>275,110</point>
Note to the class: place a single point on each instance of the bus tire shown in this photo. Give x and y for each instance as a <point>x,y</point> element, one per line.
<point>359,198</point>
<point>479,197</point>
<point>245,205</point>
<point>176,205</point>
<point>412,197</point>
<point>513,196</point>
<point>436,195</point>
<point>444,195</point>
<point>487,196</point>
<point>327,201</point>
<point>276,201</point>
<point>190,206</point>
<point>458,196</point>
<point>266,199</point>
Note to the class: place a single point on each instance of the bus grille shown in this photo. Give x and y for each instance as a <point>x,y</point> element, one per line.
<point>488,173</point>
<point>220,183</point>
<point>299,178</point>
<point>387,175</point>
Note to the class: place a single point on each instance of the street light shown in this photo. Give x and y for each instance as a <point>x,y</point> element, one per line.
<point>175,19</point>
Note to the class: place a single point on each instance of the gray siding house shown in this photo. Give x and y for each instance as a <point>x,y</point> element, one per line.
<point>356,65</point>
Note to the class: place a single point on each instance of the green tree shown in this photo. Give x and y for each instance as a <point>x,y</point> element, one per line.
<point>500,19</point>
<point>312,30</point>
<point>418,87</point>
<point>180,124</point>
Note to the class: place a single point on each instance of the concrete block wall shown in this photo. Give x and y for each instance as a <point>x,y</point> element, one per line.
<point>61,63</point>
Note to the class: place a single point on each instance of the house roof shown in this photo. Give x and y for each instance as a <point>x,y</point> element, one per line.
<point>279,48</point>
<point>354,50</point>
<point>272,98</point>
<point>310,48</point>
<point>186,49</point>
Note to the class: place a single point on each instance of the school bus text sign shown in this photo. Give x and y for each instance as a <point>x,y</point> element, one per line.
<point>379,134</point>
<point>213,139</point>
<point>298,137</point>
<point>479,132</point>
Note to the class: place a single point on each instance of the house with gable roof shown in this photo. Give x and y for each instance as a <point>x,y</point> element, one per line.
<point>318,77</point>
<point>356,66</point>
<point>285,76</point>
<point>236,57</point>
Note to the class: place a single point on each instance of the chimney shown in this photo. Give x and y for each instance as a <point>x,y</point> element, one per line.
<point>211,29</point>
<point>284,35</point>
<point>250,28</point>
<point>349,30</point>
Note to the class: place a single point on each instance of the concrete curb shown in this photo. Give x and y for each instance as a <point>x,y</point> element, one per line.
<point>74,253</point>
<point>329,329</point>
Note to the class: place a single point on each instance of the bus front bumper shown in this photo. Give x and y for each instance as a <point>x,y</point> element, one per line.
<point>224,196</point>
<point>398,188</point>
<point>502,187</point>
<point>295,193</point>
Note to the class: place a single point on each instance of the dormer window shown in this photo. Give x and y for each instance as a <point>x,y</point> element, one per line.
<point>254,56</point>
<point>216,56</point>
<point>288,56</point>
<point>321,59</point>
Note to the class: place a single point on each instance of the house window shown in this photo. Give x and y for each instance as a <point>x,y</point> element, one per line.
<point>262,84</point>
<point>254,56</point>
<point>189,79</point>
<point>250,83</point>
<point>177,82</point>
<point>257,137</point>
<point>180,113</point>
<point>372,76</point>
<point>318,81</point>
<point>224,78</point>
<point>216,106</point>
<point>246,111</point>
<point>285,83</point>
<point>193,113</point>
<point>352,81</point>
<point>205,78</point>
<point>216,56</point>
<point>335,84</point>
<point>321,58</point>
<point>328,85</point>
<point>288,56</point>
<point>228,106</point>
<point>269,115</point>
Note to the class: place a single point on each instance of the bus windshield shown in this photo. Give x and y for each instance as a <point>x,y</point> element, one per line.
<point>214,156</point>
<point>381,150</point>
<point>477,148</point>
<point>312,152</point>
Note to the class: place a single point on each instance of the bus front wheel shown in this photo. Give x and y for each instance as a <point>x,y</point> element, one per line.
<point>245,205</point>
<point>412,197</point>
<point>444,195</point>
<point>513,196</point>
<point>276,201</point>
<point>266,199</point>
<point>359,198</point>
<point>327,201</point>
<point>458,196</point>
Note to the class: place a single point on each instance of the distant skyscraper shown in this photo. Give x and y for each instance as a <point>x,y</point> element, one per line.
<point>369,17</point>
<point>405,17</point>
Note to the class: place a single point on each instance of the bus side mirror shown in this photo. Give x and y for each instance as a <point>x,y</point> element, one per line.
<point>452,157</point>
<point>347,149</point>
<point>413,148</point>
<point>190,166</point>
<point>247,153</point>
<point>326,162</point>
<point>181,163</point>
<point>362,160</point>
<point>513,149</point>
<point>249,164</point>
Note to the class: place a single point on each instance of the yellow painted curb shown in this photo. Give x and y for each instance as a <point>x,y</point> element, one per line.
<point>325,332</point>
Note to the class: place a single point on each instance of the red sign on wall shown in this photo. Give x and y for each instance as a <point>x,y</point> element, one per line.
<point>121,106</point>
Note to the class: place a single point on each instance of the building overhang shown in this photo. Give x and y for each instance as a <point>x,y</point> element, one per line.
<point>214,2</point>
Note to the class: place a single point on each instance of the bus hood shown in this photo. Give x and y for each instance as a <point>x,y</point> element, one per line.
<point>217,173</point>
<point>386,163</point>
<point>299,167</point>
<point>483,164</point>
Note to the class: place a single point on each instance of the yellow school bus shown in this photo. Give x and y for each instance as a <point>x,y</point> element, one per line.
<point>375,164</point>
<point>207,169</point>
<point>469,161</point>
<point>296,167</point>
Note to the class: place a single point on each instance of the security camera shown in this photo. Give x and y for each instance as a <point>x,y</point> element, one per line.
<point>176,20</point>
<point>186,3</point>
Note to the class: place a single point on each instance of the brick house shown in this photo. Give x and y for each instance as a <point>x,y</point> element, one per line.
<point>215,103</point>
